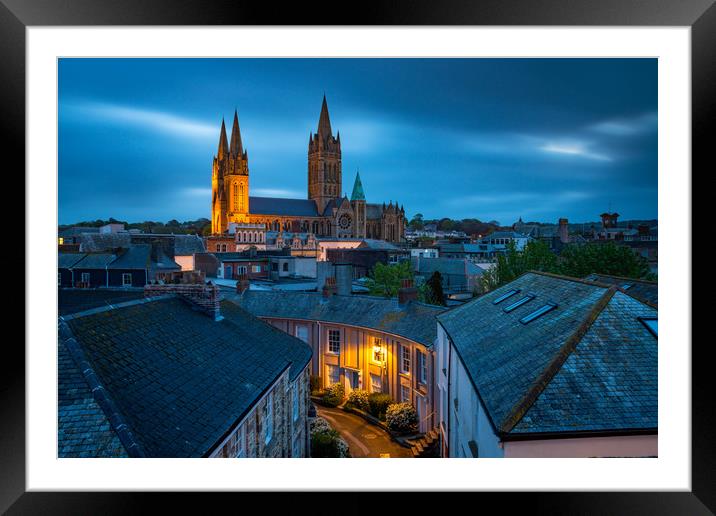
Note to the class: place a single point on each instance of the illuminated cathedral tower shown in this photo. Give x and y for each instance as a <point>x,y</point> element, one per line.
<point>229,180</point>
<point>324,162</point>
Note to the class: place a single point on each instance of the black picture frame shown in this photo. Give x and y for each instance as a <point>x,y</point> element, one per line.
<point>16,15</point>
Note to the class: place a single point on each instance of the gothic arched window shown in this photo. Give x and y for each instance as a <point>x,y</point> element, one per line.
<point>241,198</point>
<point>236,196</point>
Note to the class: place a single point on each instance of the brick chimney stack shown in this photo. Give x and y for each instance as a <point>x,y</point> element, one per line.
<point>407,292</point>
<point>329,288</point>
<point>563,231</point>
<point>203,295</point>
<point>242,284</point>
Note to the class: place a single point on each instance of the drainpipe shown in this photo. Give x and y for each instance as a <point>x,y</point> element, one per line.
<point>106,276</point>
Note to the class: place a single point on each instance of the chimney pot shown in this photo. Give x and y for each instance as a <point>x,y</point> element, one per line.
<point>407,292</point>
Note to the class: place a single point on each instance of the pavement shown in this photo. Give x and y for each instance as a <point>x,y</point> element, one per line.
<point>364,439</point>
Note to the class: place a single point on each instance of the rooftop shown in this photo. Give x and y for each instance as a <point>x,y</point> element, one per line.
<point>281,206</point>
<point>588,363</point>
<point>178,379</point>
<point>414,321</point>
<point>643,290</point>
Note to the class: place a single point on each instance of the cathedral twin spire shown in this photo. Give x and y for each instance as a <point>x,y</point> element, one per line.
<point>236,147</point>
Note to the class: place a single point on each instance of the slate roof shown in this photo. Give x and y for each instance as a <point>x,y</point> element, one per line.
<point>372,243</point>
<point>98,242</point>
<point>185,245</point>
<point>94,261</point>
<point>67,260</point>
<point>280,206</point>
<point>647,291</point>
<point>588,365</point>
<point>83,429</point>
<point>373,211</point>
<point>139,256</point>
<point>294,350</point>
<point>71,301</point>
<point>178,378</point>
<point>414,321</point>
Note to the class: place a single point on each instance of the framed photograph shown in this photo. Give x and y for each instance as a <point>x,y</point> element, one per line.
<point>300,247</point>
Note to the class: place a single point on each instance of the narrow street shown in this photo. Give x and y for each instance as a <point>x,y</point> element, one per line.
<point>363,438</point>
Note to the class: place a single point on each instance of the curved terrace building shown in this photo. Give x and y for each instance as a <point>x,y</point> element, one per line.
<point>365,342</point>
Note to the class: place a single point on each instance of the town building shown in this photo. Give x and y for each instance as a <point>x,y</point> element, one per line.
<point>363,342</point>
<point>548,366</point>
<point>458,275</point>
<point>325,213</point>
<point>206,379</point>
<point>129,267</point>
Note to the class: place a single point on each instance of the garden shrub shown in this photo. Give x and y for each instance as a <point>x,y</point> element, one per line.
<point>401,417</point>
<point>315,383</point>
<point>359,399</point>
<point>326,442</point>
<point>378,403</point>
<point>334,395</point>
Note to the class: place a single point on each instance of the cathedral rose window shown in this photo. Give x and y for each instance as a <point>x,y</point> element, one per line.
<point>344,221</point>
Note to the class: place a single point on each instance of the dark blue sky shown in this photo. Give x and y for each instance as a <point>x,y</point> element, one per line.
<point>485,138</point>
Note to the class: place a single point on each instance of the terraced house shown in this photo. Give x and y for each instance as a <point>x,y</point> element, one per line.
<point>178,374</point>
<point>549,366</point>
<point>371,343</point>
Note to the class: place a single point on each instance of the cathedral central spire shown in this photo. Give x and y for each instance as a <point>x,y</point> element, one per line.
<point>236,147</point>
<point>324,121</point>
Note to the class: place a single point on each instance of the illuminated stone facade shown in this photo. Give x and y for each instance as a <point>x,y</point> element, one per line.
<point>324,213</point>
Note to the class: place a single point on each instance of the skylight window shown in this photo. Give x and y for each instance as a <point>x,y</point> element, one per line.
<point>504,296</point>
<point>652,324</point>
<point>519,302</point>
<point>538,313</point>
<point>627,286</point>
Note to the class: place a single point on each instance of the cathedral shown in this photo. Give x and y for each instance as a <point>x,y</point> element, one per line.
<point>325,213</point>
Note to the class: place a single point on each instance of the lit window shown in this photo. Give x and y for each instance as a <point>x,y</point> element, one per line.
<point>405,359</point>
<point>126,279</point>
<point>268,417</point>
<point>651,324</point>
<point>334,341</point>
<point>537,313</point>
<point>504,296</point>
<point>378,350</point>
<point>519,302</point>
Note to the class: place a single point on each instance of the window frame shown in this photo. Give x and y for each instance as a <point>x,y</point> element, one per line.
<point>403,390</point>
<point>539,312</point>
<point>506,295</point>
<point>520,302</point>
<point>124,276</point>
<point>403,358</point>
<point>646,320</point>
<point>333,331</point>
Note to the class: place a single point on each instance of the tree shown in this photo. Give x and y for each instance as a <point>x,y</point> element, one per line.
<point>609,258</point>
<point>432,291</point>
<point>446,224</point>
<point>536,256</point>
<point>417,222</point>
<point>384,280</point>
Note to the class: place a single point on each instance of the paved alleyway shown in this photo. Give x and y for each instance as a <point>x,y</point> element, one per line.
<point>364,439</point>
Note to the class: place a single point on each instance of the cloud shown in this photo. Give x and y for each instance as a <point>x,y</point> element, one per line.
<point>145,118</point>
<point>573,149</point>
<point>500,198</point>
<point>626,126</point>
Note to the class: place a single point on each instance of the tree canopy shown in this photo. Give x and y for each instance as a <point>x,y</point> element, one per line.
<point>385,280</point>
